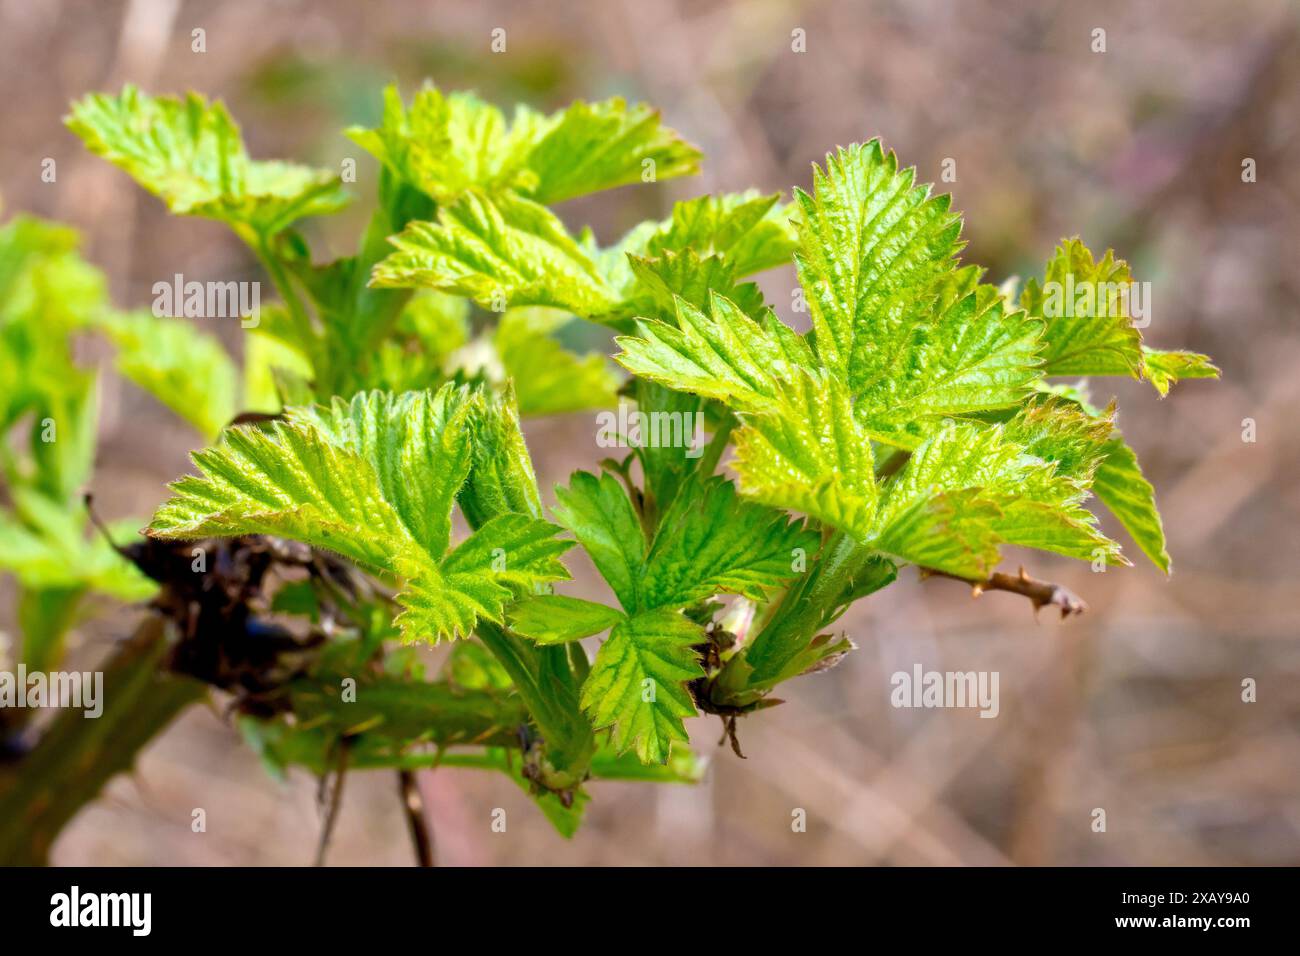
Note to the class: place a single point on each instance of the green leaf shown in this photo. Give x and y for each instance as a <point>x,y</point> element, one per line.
<point>728,357</point>
<point>509,556</point>
<point>710,541</point>
<point>665,464</point>
<point>44,280</point>
<point>291,481</point>
<point>183,368</point>
<point>751,232</point>
<point>1087,326</point>
<point>801,446</point>
<point>447,144</point>
<point>373,480</point>
<point>1164,369</point>
<point>44,543</point>
<point>809,454</point>
<point>443,145</point>
<point>1085,304</point>
<point>501,478</point>
<point>1059,431</point>
<point>601,517</point>
<point>950,531</point>
<point>636,684</point>
<point>64,422</point>
<point>47,295</point>
<point>659,282</point>
<point>415,443</point>
<point>548,378</point>
<point>1121,486</point>
<point>594,146</point>
<point>871,247</point>
<point>189,154</point>
<point>968,490</point>
<point>500,251</point>
<point>974,355</point>
<point>555,619</point>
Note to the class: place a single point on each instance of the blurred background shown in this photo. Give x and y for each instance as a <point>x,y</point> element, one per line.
<point>1134,708</point>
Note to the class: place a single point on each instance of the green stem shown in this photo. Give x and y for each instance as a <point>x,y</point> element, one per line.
<point>77,755</point>
<point>270,262</point>
<point>717,444</point>
<point>807,606</point>
<point>553,704</point>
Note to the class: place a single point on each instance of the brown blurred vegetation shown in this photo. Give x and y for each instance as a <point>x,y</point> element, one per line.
<point>1134,708</point>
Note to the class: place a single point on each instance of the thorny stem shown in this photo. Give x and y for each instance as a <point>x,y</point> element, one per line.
<point>1040,593</point>
<point>75,757</point>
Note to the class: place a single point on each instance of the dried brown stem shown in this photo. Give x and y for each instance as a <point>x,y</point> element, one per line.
<point>1040,593</point>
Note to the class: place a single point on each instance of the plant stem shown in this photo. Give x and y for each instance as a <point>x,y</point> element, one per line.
<point>717,444</point>
<point>553,704</point>
<point>76,756</point>
<point>807,605</point>
<point>302,324</point>
<point>413,806</point>
<point>1040,593</point>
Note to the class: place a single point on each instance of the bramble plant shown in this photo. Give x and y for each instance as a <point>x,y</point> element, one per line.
<point>921,420</point>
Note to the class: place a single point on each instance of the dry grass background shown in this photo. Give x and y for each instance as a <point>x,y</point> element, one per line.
<point>1134,708</point>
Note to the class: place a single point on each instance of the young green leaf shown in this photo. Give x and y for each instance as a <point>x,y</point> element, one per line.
<point>189,153</point>
<point>500,251</point>
<point>509,556</point>
<point>729,356</point>
<point>556,619</point>
<point>183,368</point>
<point>548,378</point>
<point>445,145</point>
<point>809,454</point>
<point>291,481</point>
<point>1088,329</point>
<point>373,480</point>
<point>501,478</point>
<point>710,541</point>
<point>750,231</point>
<point>637,682</point>
<point>968,490</point>
<point>601,517</point>
<point>595,146</point>
<point>44,543</point>
<point>1121,486</point>
<point>414,443</point>
<point>974,355</point>
<point>1164,369</point>
<point>871,246</point>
